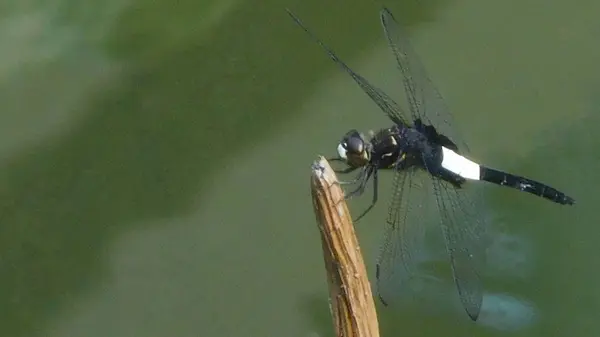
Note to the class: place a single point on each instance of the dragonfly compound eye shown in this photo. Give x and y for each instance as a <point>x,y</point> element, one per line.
<point>355,145</point>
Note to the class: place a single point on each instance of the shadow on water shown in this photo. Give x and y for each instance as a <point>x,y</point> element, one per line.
<point>149,142</point>
<point>563,240</point>
<point>564,282</point>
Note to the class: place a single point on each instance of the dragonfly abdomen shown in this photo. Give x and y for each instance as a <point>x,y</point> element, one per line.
<point>526,185</point>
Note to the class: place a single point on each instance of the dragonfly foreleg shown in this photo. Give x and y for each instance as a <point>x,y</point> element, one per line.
<point>363,177</point>
<point>359,178</point>
<point>346,170</point>
<point>374,201</point>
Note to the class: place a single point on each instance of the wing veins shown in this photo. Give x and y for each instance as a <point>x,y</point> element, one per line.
<point>385,102</point>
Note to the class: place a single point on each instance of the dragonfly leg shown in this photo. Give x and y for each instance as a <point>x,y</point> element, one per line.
<point>374,201</point>
<point>364,178</point>
<point>338,159</point>
<point>358,178</point>
<point>346,170</point>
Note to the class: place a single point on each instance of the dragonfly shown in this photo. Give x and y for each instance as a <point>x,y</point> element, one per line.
<point>422,148</point>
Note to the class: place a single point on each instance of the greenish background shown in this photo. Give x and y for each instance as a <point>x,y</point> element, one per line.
<point>155,159</point>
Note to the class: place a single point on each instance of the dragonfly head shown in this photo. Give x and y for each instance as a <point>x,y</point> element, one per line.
<point>354,149</point>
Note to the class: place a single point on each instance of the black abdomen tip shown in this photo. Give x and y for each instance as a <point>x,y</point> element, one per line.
<point>566,200</point>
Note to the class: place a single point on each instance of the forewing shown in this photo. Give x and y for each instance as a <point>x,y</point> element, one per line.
<point>424,99</point>
<point>385,103</point>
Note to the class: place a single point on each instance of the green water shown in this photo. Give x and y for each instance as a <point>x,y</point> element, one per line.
<point>155,160</point>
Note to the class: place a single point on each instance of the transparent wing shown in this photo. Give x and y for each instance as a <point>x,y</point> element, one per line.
<point>462,228</point>
<point>424,99</point>
<point>404,234</point>
<point>385,103</point>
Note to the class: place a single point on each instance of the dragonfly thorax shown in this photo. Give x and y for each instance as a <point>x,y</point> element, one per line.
<point>355,149</point>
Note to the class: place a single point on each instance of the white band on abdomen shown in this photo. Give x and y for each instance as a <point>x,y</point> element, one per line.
<point>460,165</point>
